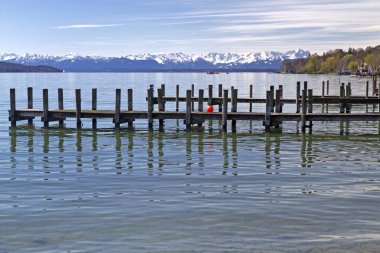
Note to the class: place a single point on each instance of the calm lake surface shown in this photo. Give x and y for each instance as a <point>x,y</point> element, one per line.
<point>68,190</point>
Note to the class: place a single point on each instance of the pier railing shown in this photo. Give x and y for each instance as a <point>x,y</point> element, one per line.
<point>273,116</point>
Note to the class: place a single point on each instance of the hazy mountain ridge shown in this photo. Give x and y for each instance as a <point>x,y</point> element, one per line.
<point>161,61</point>
<point>14,67</point>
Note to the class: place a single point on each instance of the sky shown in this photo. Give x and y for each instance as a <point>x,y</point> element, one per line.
<point>124,27</point>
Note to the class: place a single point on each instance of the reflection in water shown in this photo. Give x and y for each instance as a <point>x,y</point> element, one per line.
<point>125,149</point>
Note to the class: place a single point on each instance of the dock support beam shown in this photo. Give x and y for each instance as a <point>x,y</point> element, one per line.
<point>234,96</point>
<point>78,102</point>
<point>117,108</point>
<point>150,109</point>
<point>12,115</point>
<point>225,110</point>
<point>201,93</point>
<point>268,111</point>
<point>188,110</point>
<point>30,104</point>
<point>60,105</point>
<point>130,106</point>
<point>45,102</point>
<point>94,106</point>
<point>298,94</point>
<point>304,110</point>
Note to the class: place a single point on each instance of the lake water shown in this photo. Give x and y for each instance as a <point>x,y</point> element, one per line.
<point>68,190</point>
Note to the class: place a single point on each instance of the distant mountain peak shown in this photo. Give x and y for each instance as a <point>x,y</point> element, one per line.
<point>160,61</point>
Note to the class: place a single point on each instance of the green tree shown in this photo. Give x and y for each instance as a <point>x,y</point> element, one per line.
<point>353,65</point>
<point>313,64</point>
<point>329,65</point>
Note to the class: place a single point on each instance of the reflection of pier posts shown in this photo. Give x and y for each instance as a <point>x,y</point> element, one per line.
<point>201,159</point>
<point>161,155</point>
<point>150,153</point>
<point>267,151</point>
<point>119,157</point>
<point>189,160</point>
<point>79,147</point>
<point>234,154</point>
<point>225,154</point>
<point>130,151</point>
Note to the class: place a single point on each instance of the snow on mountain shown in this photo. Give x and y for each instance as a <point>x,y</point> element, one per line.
<point>159,61</point>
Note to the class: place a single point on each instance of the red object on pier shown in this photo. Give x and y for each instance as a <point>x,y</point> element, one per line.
<point>210,108</point>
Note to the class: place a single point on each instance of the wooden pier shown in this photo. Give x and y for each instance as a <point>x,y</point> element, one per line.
<point>273,116</point>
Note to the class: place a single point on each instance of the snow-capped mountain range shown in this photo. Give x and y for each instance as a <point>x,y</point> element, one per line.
<point>160,62</point>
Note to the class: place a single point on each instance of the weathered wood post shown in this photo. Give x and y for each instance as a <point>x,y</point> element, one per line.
<point>30,104</point>
<point>163,95</point>
<point>150,109</point>
<point>192,95</point>
<point>250,96</point>
<point>348,95</point>
<point>323,89</point>
<point>304,110</point>
<point>210,102</point>
<point>298,94</point>
<point>177,98</point>
<point>94,102</point>
<point>188,110</point>
<point>310,106</point>
<point>281,88</point>
<point>160,101</point>
<point>12,112</point>
<point>130,106</point>
<point>220,94</point>
<point>117,108</point>
<point>272,99</point>
<point>225,110</point>
<point>341,96</point>
<point>367,89</point>
<point>327,87</point>
<point>200,103</point>
<point>278,106</point>
<point>45,105</point>
<point>268,111</point>
<point>234,97</point>
<point>60,105</point>
<point>78,100</point>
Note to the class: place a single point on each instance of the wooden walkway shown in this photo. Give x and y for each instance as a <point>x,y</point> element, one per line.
<point>272,117</point>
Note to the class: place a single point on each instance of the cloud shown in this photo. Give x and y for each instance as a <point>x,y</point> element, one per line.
<point>85,26</point>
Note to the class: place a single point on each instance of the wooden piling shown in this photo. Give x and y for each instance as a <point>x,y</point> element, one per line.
<point>367,89</point>
<point>130,106</point>
<point>220,95</point>
<point>348,95</point>
<point>298,94</point>
<point>78,101</point>
<point>12,113</point>
<point>200,103</point>
<point>310,106</point>
<point>177,98</point>
<point>234,97</point>
<point>30,103</point>
<point>45,105</point>
<point>304,110</point>
<point>163,95</point>
<point>150,109</point>
<point>192,95</point>
<point>278,101</point>
<point>268,111</point>
<point>342,93</point>
<point>225,110</point>
<point>60,105</point>
<point>210,102</point>
<point>117,108</point>
<point>327,87</point>
<point>250,96</point>
<point>188,110</point>
<point>323,89</point>
<point>94,95</point>
<point>160,100</point>
<point>272,99</point>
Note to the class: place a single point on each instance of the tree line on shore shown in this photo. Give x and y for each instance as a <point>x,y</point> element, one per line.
<point>353,61</point>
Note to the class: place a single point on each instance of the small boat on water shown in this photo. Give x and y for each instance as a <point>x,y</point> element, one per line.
<point>213,72</point>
